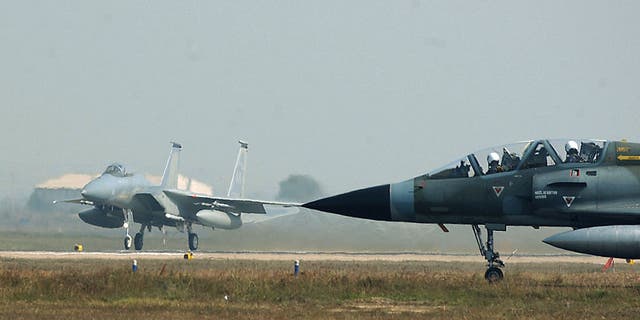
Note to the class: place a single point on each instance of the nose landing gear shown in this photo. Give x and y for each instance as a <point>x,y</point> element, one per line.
<point>127,242</point>
<point>493,273</point>
<point>127,238</point>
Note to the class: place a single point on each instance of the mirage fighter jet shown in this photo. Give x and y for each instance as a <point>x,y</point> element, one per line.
<point>592,186</point>
<point>117,196</point>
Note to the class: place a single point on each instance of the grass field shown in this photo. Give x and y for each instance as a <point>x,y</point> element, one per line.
<point>95,289</point>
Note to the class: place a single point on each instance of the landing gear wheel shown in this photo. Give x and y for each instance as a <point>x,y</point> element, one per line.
<point>138,241</point>
<point>193,241</point>
<point>493,274</point>
<point>127,242</point>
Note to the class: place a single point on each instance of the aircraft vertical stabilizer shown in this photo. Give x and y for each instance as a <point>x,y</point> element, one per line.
<point>236,188</point>
<point>170,175</point>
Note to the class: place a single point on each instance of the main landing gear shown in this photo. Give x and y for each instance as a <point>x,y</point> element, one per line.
<point>193,238</point>
<point>493,273</point>
<point>138,241</point>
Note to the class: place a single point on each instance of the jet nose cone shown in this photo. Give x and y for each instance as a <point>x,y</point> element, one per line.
<point>95,191</point>
<point>370,203</point>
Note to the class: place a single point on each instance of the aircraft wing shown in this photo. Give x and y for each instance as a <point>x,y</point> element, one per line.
<point>194,202</point>
<point>77,201</point>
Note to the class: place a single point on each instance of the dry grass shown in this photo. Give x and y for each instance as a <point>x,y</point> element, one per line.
<point>88,289</point>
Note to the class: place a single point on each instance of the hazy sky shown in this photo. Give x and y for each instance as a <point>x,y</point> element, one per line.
<point>353,93</point>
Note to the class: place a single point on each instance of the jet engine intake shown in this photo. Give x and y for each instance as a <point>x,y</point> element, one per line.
<point>219,219</point>
<point>106,219</point>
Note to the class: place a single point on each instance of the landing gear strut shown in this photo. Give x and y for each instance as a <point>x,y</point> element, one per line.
<point>127,237</point>
<point>164,235</point>
<point>193,238</point>
<point>493,273</point>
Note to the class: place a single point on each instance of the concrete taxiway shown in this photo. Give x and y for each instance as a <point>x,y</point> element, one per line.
<point>290,256</point>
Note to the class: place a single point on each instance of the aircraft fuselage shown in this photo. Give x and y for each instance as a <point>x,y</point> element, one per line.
<point>578,195</point>
<point>593,187</point>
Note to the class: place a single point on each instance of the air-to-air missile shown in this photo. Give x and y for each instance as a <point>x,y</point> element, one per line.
<point>592,186</point>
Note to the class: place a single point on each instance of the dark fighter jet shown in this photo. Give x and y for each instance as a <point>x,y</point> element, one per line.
<point>592,186</point>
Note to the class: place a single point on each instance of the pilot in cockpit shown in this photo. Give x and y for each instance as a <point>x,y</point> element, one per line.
<point>510,160</point>
<point>571,147</point>
<point>493,160</point>
<point>462,170</point>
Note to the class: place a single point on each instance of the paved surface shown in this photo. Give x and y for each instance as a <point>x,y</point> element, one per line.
<point>290,256</point>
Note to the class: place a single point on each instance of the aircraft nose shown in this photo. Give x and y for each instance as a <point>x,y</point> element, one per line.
<point>369,203</point>
<point>95,191</point>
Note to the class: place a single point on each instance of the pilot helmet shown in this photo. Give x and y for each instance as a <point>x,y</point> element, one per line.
<point>571,145</point>
<point>493,157</point>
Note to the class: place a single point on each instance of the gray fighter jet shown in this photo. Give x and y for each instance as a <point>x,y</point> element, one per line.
<point>592,186</point>
<point>117,196</point>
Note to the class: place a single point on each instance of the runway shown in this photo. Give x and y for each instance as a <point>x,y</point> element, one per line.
<point>291,256</point>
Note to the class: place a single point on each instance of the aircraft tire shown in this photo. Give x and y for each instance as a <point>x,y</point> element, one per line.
<point>138,241</point>
<point>493,274</point>
<point>127,242</point>
<point>193,241</point>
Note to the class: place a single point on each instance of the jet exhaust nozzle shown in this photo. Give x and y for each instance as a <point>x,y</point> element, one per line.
<point>369,203</point>
<point>607,241</point>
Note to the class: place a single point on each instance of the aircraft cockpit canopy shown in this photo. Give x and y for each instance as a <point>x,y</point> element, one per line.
<point>116,170</point>
<point>522,155</point>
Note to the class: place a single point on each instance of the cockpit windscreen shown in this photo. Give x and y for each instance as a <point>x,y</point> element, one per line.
<point>116,170</point>
<point>458,169</point>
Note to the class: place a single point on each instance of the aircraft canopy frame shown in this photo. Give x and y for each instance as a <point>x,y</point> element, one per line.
<point>521,156</point>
